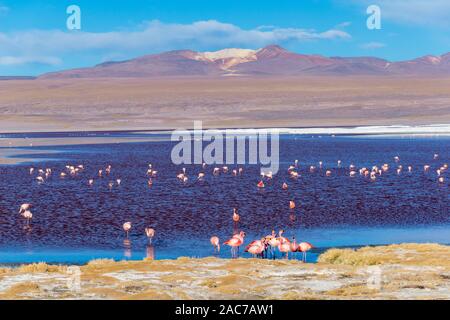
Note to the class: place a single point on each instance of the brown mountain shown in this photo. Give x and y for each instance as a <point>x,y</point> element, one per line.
<point>270,60</point>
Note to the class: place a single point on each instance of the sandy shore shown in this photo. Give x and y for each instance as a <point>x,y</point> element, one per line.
<point>406,271</point>
<point>143,104</point>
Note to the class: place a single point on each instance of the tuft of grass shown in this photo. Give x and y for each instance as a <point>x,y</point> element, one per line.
<point>353,290</point>
<point>410,253</point>
<point>18,290</point>
<point>350,257</point>
<point>40,267</point>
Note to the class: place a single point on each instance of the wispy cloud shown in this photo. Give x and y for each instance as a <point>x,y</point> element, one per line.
<point>156,36</point>
<point>373,45</point>
<point>13,61</point>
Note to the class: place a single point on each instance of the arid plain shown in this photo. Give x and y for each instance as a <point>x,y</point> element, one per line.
<point>244,102</point>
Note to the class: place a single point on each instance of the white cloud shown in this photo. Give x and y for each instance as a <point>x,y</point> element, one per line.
<point>422,12</point>
<point>156,36</point>
<point>373,45</point>
<point>12,61</point>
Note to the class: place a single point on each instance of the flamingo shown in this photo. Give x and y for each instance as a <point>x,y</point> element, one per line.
<point>40,179</point>
<point>284,186</point>
<point>215,243</point>
<point>236,216</point>
<point>150,182</point>
<point>126,227</point>
<point>291,204</point>
<point>31,170</point>
<point>24,207</point>
<point>235,243</point>
<point>328,173</point>
<point>284,247</point>
<point>441,179</point>
<point>201,175</point>
<point>294,245</point>
<point>304,247</point>
<point>256,248</point>
<point>150,233</point>
<point>27,215</point>
<point>260,184</point>
<point>119,181</point>
<point>90,182</point>
<point>275,241</point>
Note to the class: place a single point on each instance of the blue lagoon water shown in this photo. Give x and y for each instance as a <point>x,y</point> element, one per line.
<point>74,223</point>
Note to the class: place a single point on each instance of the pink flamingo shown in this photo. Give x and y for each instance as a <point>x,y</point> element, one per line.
<point>215,243</point>
<point>284,186</point>
<point>304,247</point>
<point>126,227</point>
<point>260,184</point>
<point>236,216</point>
<point>235,243</point>
<point>150,233</point>
<point>256,248</point>
<point>27,215</point>
<point>284,246</point>
<point>294,245</point>
<point>24,207</point>
<point>291,204</point>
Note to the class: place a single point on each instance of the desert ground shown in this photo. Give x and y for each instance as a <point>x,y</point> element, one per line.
<point>405,271</point>
<point>156,104</point>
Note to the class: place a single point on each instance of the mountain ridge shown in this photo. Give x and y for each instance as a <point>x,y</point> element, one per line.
<point>271,60</point>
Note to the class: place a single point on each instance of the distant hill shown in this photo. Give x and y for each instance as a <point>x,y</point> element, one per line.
<point>270,60</point>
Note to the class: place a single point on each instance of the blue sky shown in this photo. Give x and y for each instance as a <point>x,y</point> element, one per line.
<point>34,38</point>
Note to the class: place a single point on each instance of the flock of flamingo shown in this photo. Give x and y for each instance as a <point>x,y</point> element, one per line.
<point>264,247</point>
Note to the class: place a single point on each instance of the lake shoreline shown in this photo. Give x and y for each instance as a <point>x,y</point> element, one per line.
<point>402,271</point>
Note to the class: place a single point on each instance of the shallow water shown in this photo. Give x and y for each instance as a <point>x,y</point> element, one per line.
<point>75,223</point>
